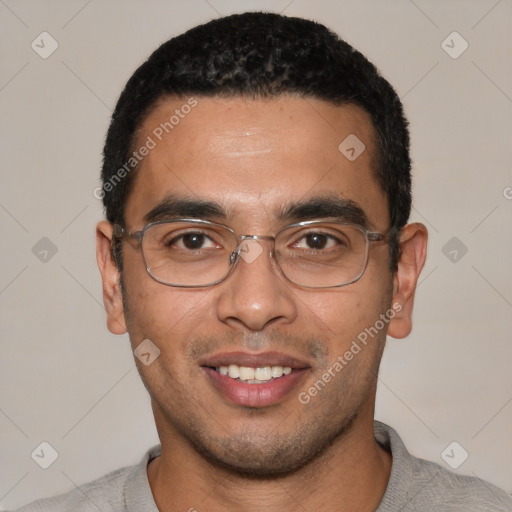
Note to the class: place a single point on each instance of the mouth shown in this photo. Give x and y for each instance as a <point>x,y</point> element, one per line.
<point>252,375</point>
<point>254,380</point>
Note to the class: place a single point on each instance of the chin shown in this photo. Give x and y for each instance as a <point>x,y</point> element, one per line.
<point>256,456</point>
<point>259,465</point>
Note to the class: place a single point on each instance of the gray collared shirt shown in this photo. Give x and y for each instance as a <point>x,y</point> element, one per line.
<point>415,485</point>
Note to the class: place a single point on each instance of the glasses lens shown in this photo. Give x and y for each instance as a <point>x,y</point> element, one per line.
<point>322,255</point>
<point>186,253</point>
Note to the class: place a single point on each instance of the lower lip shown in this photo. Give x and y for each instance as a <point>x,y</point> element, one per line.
<point>255,395</point>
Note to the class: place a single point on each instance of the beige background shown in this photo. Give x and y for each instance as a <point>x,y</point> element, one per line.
<point>65,380</point>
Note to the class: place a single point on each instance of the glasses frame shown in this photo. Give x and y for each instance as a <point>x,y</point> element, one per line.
<point>371,236</point>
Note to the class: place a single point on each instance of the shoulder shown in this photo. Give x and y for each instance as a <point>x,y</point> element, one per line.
<point>445,490</point>
<point>105,494</point>
<point>418,484</point>
<point>113,492</point>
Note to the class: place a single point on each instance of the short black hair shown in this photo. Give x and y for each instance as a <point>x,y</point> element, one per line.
<point>262,55</point>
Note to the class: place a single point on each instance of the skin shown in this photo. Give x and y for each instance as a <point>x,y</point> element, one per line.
<point>253,156</point>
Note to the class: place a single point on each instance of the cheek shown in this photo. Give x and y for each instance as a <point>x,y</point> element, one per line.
<point>158,312</point>
<point>355,332</point>
<point>344,313</point>
<point>169,319</point>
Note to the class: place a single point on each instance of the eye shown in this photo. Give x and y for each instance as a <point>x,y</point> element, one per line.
<point>192,241</point>
<point>317,241</point>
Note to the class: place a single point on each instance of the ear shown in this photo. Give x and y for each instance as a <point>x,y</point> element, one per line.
<point>111,278</point>
<point>413,252</point>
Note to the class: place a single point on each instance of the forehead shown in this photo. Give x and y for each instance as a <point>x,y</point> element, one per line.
<point>253,156</point>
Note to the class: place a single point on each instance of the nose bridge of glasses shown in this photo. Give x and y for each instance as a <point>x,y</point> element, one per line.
<point>249,247</point>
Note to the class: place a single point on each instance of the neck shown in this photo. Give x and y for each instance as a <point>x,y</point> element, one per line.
<point>351,475</point>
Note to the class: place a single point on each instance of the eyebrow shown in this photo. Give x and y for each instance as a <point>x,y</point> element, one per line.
<point>330,206</point>
<point>345,210</point>
<point>173,207</point>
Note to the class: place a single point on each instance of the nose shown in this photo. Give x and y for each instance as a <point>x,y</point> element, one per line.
<point>256,294</point>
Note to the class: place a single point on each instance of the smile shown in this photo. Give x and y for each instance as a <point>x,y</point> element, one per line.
<point>252,375</point>
<point>247,379</point>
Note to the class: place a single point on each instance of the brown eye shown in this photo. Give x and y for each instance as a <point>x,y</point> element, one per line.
<point>191,242</point>
<point>316,241</point>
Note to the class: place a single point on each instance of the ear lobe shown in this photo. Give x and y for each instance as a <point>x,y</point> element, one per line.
<point>413,245</point>
<point>111,279</point>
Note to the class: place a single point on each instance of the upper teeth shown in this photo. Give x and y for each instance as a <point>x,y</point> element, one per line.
<point>259,374</point>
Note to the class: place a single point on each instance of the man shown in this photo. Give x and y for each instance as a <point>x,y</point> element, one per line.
<point>256,182</point>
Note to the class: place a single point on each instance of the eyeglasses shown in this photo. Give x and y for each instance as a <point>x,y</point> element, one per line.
<point>197,253</point>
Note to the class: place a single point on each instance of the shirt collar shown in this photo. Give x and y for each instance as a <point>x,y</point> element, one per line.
<point>137,492</point>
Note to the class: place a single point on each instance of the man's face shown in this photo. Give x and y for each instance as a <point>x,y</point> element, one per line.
<point>256,158</point>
